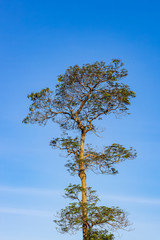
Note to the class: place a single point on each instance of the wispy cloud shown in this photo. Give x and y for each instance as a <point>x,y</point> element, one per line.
<point>28,212</point>
<point>132,199</point>
<point>40,191</point>
<point>49,192</point>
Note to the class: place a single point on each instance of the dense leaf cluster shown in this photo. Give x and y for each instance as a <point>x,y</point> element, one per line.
<point>100,235</point>
<point>98,162</point>
<point>70,219</point>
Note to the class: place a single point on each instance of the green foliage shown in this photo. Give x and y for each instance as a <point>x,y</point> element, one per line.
<point>97,162</point>
<point>100,235</point>
<point>105,162</point>
<point>40,109</point>
<point>107,218</point>
<point>73,192</point>
<point>84,95</point>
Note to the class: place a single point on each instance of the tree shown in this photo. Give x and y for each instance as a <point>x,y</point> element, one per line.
<point>83,96</point>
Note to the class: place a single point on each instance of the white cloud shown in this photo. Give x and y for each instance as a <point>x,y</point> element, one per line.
<point>49,192</point>
<point>28,212</point>
<point>30,191</point>
<point>132,199</point>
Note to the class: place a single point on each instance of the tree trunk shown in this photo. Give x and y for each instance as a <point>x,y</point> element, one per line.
<point>82,176</point>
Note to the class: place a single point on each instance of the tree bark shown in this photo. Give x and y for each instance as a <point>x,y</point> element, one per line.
<point>82,176</point>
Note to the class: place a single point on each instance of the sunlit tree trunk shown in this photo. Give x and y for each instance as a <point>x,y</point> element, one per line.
<point>82,176</point>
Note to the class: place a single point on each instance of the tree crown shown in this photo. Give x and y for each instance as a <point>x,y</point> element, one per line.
<point>82,95</point>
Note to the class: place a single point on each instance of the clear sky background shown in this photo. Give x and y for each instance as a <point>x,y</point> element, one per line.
<point>38,41</point>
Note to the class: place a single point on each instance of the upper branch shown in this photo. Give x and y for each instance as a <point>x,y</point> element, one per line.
<point>43,108</point>
<point>71,145</point>
<point>82,95</point>
<point>105,162</point>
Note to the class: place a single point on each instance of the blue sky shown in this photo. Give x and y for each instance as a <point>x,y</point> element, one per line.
<point>38,41</point>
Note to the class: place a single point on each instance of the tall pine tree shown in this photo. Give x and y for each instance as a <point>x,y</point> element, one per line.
<point>84,95</point>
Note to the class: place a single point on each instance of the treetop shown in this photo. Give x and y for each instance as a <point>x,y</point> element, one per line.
<point>82,95</point>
